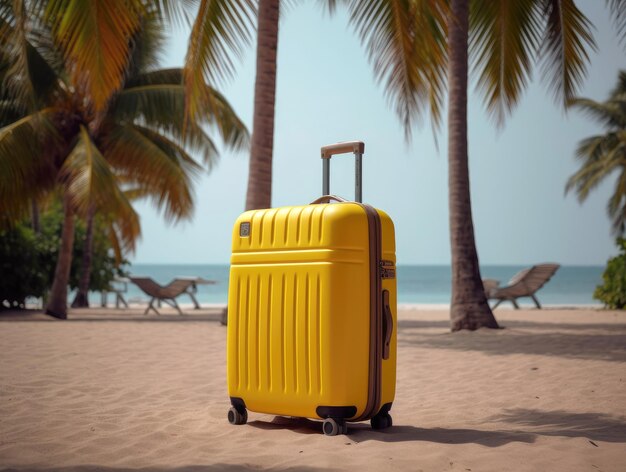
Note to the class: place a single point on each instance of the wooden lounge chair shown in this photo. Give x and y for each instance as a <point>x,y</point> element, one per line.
<point>523,284</point>
<point>193,288</point>
<point>159,293</point>
<point>118,286</point>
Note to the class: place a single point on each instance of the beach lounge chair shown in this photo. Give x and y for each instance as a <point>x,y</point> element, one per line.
<point>118,286</point>
<point>167,293</point>
<point>523,284</point>
<point>193,288</point>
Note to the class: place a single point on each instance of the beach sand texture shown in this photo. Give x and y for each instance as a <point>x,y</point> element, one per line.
<point>112,390</point>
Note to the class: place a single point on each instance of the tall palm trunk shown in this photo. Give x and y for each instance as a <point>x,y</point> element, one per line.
<point>469,308</point>
<point>81,299</point>
<point>260,175</point>
<point>57,302</point>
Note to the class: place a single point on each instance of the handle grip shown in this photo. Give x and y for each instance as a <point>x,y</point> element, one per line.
<point>387,325</point>
<point>327,199</point>
<point>356,147</point>
<point>342,148</point>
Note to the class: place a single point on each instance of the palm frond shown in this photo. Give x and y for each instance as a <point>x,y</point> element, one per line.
<point>177,12</point>
<point>115,242</point>
<point>595,148</point>
<point>162,107</point>
<point>155,164</point>
<point>44,78</point>
<point>330,6</point>
<point>24,173</point>
<point>565,45</point>
<point>434,13</point>
<point>10,111</point>
<point>619,194</point>
<point>88,176</point>
<point>604,156</point>
<point>136,193</point>
<point>6,11</point>
<point>504,37</point>
<point>21,151</point>
<point>197,141</point>
<point>406,44</point>
<point>15,51</point>
<point>616,207</point>
<point>89,179</point>
<point>619,91</point>
<point>147,45</point>
<point>123,225</point>
<point>173,76</point>
<point>618,10</point>
<point>29,68</point>
<point>221,31</point>
<point>95,36</point>
<point>41,37</point>
<point>222,116</point>
<point>610,113</point>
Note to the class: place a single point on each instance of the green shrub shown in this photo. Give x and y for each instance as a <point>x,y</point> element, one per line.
<point>23,269</point>
<point>613,291</point>
<point>103,264</point>
<point>28,260</point>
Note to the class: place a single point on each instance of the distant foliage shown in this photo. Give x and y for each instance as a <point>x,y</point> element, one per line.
<point>603,156</point>
<point>613,292</point>
<point>103,264</point>
<point>22,265</point>
<point>27,259</point>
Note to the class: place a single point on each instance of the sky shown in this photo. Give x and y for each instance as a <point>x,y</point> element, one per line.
<point>326,93</point>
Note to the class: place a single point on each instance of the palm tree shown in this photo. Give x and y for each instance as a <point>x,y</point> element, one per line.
<point>166,94</point>
<point>468,308</point>
<point>223,27</point>
<point>604,154</point>
<point>411,44</point>
<point>69,134</point>
<point>504,38</point>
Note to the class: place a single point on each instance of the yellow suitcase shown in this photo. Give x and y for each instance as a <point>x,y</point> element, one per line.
<point>312,310</point>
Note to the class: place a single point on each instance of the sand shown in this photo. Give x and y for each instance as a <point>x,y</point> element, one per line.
<point>112,390</point>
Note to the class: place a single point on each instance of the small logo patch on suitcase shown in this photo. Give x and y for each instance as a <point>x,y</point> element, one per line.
<point>387,270</point>
<point>244,229</point>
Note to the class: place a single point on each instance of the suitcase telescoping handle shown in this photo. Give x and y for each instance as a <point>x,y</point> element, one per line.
<point>356,147</point>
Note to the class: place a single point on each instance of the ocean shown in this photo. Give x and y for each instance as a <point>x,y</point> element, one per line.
<point>571,285</point>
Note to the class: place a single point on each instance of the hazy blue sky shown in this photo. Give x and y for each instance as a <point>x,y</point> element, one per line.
<point>326,93</point>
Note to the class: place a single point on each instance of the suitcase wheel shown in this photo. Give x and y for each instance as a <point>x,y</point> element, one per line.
<point>381,421</point>
<point>333,427</point>
<point>235,417</point>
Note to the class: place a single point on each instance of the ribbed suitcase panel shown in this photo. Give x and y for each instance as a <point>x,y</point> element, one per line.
<point>296,228</point>
<point>285,228</point>
<point>276,331</point>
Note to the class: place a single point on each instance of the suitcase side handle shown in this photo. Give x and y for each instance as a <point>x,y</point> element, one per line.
<point>356,147</point>
<point>387,325</point>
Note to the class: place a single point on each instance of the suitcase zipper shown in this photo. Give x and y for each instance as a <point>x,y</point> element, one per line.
<point>376,316</point>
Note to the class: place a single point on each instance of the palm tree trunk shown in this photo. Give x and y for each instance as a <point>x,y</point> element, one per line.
<point>260,174</point>
<point>57,302</point>
<point>81,300</point>
<point>469,308</point>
